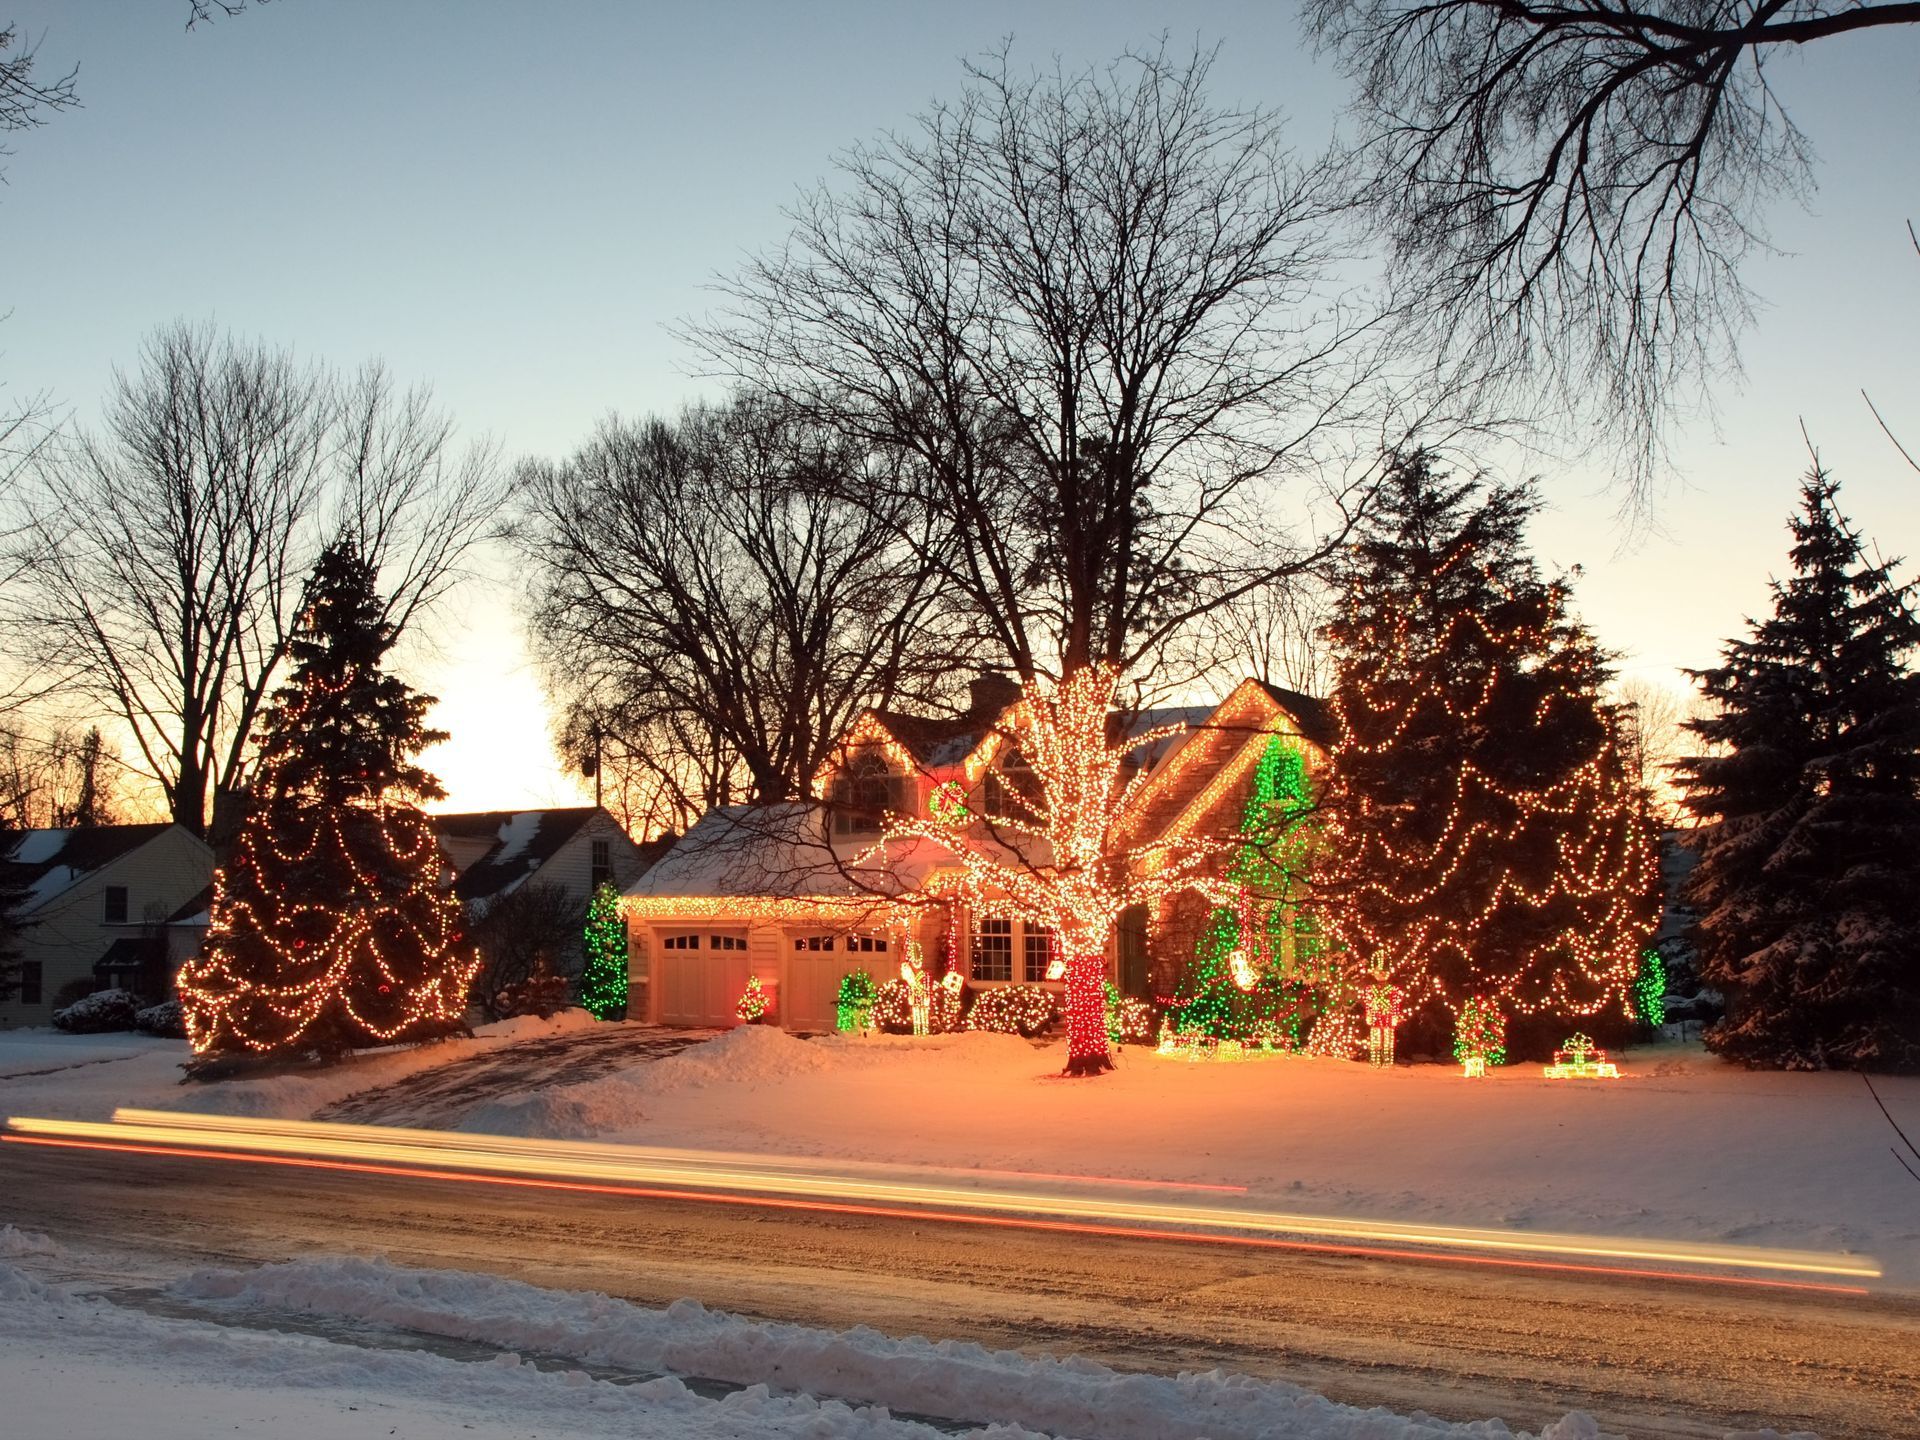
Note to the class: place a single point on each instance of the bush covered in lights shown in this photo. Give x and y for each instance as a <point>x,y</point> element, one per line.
<point>1650,990</point>
<point>1480,1032</point>
<point>1130,1021</point>
<point>1027,1010</point>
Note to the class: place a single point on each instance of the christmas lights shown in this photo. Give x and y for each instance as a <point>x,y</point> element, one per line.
<point>1650,990</point>
<point>1060,862</point>
<point>1385,1006</point>
<point>753,1006</point>
<point>1581,1059</point>
<point>1026,1010</point>
<point>330,929</point>
<point>853,1005</point>
<point>1530,883</point>
<point>1335,1035</point>
<point>1479,1036</point>
<point>603,979</point>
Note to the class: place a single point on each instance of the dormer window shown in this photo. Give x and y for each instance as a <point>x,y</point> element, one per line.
<point>1012,789</point>
<point>864,791</point>
<point>116,905</point>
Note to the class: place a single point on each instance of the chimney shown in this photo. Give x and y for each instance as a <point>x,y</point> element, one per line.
<point>991,692</point>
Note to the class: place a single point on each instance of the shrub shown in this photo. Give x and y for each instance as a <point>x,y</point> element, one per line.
<point>165,1020</point>
<point>1027,1010</point>
<point>98,1013</point>
<point>893,1009</point>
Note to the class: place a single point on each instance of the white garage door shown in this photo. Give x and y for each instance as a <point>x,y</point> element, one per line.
<point>815,965</point>
<point>701,975</point>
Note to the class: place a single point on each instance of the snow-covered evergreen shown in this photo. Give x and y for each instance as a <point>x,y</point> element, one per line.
<point>1808,886</point>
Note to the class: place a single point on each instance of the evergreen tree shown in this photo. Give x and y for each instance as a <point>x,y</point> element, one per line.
<point>603,981</point>
<point>1808,886</point>
<point>1487,834</point>
<point>1274,931</point>
<point>330,930</point>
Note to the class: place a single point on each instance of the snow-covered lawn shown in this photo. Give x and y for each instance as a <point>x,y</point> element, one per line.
<point>73,1365</point>
<point>1682,1147</point>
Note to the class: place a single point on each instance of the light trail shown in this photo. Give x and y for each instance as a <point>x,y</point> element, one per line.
<point>878,1190</point>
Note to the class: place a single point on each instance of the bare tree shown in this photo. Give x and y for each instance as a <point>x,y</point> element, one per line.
<point>25,100</point>
<point>1654,733</point>
<point>1093,314</point>
<point>716,611</point>
<point>533,928</point>
<point>1575,185</point>
<point>59,776</point>
<point>168,552</point>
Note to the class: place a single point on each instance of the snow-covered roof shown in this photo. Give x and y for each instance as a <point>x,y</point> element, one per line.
<point>48,863</point>
<point>775,851</point>
<point>516,843</point>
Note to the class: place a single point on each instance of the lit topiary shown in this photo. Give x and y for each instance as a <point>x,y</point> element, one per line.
<point>853,1007</point>
<point>1650,990</point>
<point>1480,1033</point>
<point>1026,1010</point>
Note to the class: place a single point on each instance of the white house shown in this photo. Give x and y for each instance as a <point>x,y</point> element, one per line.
<point>98,901</point>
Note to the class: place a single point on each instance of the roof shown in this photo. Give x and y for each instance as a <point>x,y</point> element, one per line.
<point>521,842</point>
<point>197,911</point>
<point>46,863</point>
<point>936,742</point>
<point>1316,723</point>
<point>775,851</point>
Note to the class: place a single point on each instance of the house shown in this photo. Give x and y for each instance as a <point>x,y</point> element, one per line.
<point>98,901</point>
<point>798,894</point>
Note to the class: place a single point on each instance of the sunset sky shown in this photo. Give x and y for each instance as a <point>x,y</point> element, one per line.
<point>513,202</point>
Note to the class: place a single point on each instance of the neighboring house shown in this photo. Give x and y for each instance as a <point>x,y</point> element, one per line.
<point>798,894</point>
<point>99,898</point>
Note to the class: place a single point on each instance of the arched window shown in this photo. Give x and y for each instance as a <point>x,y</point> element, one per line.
<point>1012,789</point>
<point>864,791</point>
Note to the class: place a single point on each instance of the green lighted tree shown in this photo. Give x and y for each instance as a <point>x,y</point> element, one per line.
<point>603,981</point>
<point>1277,830</point>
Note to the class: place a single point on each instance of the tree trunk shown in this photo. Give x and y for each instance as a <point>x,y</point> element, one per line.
<point>1087,1012</point>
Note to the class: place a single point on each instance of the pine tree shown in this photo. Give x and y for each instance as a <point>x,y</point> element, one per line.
<point>330,930</point>
<point>603,982</point>
<point>1487,835</point>
<point>1274,930</point>
<point>1810,847</point>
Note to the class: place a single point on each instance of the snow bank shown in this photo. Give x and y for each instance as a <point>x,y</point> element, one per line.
<point>15,1243</point>
<point>1072,1397</point>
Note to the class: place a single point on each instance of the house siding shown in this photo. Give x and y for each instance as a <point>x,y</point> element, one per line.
<point>69,933</point>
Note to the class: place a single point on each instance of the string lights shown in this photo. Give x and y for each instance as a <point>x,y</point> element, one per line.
<point>1385,1006</point>
<point>1060,862</point>
<point>603,979</point>
<point>1489,836</point>
<point>1479,1036</point>
<point>753,1006</point>
<point>853,1004</point>
<point>1025,1010</point>
<point>1581,1059</point>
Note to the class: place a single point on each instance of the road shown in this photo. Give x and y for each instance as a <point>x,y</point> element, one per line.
<point>1647,1357</point>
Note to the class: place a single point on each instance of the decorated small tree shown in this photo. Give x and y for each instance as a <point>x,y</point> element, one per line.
<point>1479,1035</point>
<point>753,1007</point>
<point>603,981</point>
<point>330,929</point>
<point>853,1005</point>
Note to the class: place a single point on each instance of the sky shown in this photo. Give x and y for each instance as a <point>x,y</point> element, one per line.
<point>515,203</point>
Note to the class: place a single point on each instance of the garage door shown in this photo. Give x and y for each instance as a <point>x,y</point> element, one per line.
<point>810,989</point>
<point>701,975</point>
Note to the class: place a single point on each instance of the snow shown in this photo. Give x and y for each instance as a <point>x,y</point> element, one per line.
<point>36,847</point>
<point>86,1077</point>
<point>517,832</point>
<point>1682,1147</point>
<point>78,1365</point>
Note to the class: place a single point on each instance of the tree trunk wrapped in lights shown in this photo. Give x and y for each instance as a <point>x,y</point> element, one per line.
<point>1488,836</point>
<point>1055,857</point>
<point>330,930</point>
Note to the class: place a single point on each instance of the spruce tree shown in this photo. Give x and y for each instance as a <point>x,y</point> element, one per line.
<point>1488,839</point>
<point>330,929</point>
<point>603,979</point>
<point>1808,886</point>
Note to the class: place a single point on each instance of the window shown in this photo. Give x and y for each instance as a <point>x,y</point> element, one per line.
<point>116,904</point>
<point>814,943</point>
<point>1037,952</point>
<point>993,949</point>
<point>867,944</point>
<point>602,863</point>
<point>726,942</point>
<point>1012,789</point>
<point>30,977</point>
<point>864,792</point>
<point>679,942</point>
